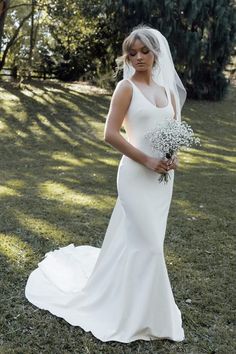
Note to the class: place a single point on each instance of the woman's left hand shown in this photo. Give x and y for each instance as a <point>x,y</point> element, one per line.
<point>173,163</point>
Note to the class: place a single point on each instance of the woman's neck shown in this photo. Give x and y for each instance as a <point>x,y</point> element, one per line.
<point>144,77</point>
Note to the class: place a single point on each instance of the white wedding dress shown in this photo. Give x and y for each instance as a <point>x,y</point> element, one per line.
<point>122,291</point>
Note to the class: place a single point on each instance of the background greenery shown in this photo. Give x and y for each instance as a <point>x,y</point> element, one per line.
<point>80,39</point>
<point>58,186</point>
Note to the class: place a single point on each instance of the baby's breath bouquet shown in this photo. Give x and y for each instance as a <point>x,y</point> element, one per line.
<point>170,138</point>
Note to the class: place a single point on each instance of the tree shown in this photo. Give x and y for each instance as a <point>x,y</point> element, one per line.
<point>4,5</point>
<point>13,40</point>
<point>71,41</point>
<point>19,37</point>
<point>200,33</point>
<point>206,30</point>
<point>77,38</point>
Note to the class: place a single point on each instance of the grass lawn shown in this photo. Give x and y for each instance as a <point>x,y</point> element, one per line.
<point>58,186</point>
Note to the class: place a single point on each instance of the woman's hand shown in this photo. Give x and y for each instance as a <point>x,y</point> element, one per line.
<point>173,163</point>
<point>157,165</point>
<point>162,166</point>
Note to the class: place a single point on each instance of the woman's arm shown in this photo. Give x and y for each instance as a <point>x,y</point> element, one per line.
<point>118,108</point>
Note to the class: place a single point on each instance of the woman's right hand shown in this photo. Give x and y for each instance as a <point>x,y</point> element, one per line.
<point>157,165</point>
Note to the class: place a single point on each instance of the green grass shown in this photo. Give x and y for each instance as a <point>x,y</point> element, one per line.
<point>58,186</point>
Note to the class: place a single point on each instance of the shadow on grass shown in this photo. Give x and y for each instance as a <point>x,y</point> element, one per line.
<point>58,186</point>
<point>53,142</point>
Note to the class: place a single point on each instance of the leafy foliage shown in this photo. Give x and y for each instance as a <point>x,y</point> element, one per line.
<point>79,39</point>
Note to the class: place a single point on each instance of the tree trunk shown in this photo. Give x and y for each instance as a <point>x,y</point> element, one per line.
<point>32,37</point>
<point>4,5</point>
<point>13,40</point>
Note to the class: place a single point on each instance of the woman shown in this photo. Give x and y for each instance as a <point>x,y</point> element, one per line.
<point>122,292</point>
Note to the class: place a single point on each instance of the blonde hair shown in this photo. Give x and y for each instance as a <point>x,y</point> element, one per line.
<point>143,33</point>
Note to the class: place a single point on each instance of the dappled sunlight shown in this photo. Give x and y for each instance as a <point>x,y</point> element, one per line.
<point>187,156</point>
<point>219,149</point>
<point>31,94</point>
<point>38,94</point>
<point>62,168</point>
<point>44,99</point>
<point>32,90</point>
<point>14,248</point>
<point>44,119</point>
<point>68,104</point>
<point>69,159</point>
<point>64,126</point>
<point>108,161</point>
<point>73,120</point>
<point>86,88</point>
<point>202,158</point>
<point>57,191</point>
<point>21,134</point>
<point>59,134</point>
<point>188,210</point>
<point>9,98</point>
<point>8,192</point>
<point>41,227</point>
<point>94,143</point>
<point>9,105</point>
<point>173,259</point>
<point>14,183</point>
<point>3,125</point>
<point>46,126</point>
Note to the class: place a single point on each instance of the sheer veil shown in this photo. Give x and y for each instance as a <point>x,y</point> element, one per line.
<point>164,73</point>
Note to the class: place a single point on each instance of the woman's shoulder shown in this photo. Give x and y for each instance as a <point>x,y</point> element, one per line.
<point>124,87</point>
<point>122,95</point>
<point>124,84</point>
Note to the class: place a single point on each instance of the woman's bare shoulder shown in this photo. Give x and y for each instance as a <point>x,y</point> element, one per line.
<point>124,84</point>
<point>123,89</point>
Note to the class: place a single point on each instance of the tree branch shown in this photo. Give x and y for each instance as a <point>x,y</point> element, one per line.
<point>13,40</point>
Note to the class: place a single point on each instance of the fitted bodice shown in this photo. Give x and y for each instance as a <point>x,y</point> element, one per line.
<point>143,116</point>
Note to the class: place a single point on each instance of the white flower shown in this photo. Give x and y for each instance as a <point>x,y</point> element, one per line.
<point>170,138</point>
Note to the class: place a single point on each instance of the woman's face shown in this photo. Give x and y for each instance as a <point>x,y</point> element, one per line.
<point>140,56</point>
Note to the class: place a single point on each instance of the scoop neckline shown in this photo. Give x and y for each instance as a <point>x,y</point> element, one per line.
<point>155,106</point>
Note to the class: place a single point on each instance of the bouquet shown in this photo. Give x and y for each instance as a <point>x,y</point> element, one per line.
<point>170,138</point>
